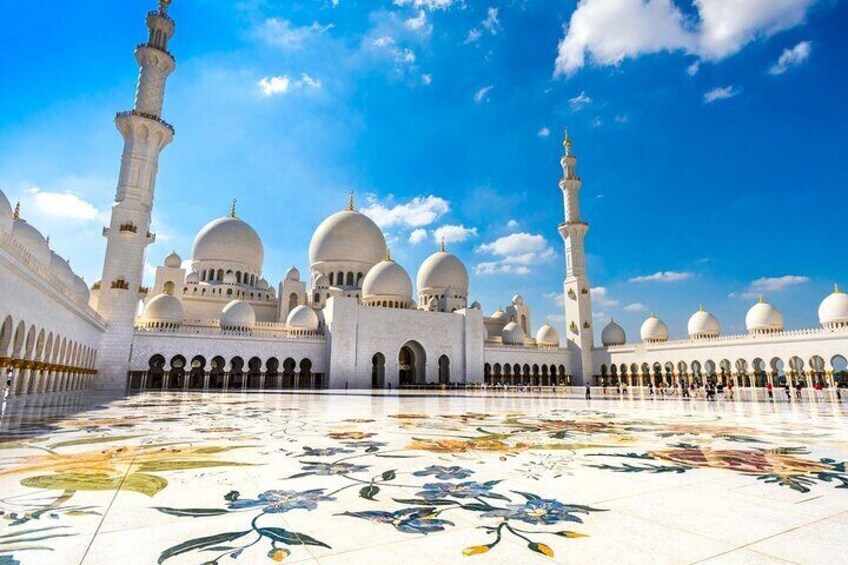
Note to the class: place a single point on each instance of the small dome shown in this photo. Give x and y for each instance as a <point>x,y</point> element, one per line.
<point>164,308</point>
<point>547,335</point>
<point>230,278</point>
<point>702,324</point>
<point>293,274</point>
<point>173,260</point>
<point>192,278</point>
<point>303,318</point>
<point>263,284</point>
<point>229,240</point>
<point>763,318</point>
<point>518,300</point>
<point>498,314</point>
<point>513,334</point>
<point>833,311</point>
<point>237,314</point>
<point>389,279</point>
<point>81,289</point>
<point>440,271</point>
<point>613,334</point>
<point>654,330</point>
<point>475,305</point>
<point>322,282</point>
<point>347,236</point>
<point>32,240</point>
<point>62,270</point>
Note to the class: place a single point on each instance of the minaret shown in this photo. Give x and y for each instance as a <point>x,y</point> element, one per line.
<point>578,301</point>
<point>128,235</point>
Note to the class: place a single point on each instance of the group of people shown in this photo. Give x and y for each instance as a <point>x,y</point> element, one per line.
<point>712,391</point>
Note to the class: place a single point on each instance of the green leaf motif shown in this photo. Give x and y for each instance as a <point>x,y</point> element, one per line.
<point>389,475</point>
<point>191,512</point>
<point>232,496</point>
<point>369,492</point>
<point>184,464</point>
<point>527,495</point>
<point>290,538</point>
<point>136,482</point>
<point>199,543</point>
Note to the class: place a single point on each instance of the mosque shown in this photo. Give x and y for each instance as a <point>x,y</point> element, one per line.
<point>354,320</point>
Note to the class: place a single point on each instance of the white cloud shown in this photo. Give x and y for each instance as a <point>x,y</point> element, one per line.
<point>418,212</point>
<point>720,93</point>
<point>558,298</point>
<point>544,132</point>
<point>453,233</point>
<point>383,41</point>
<point>59,206</point>
<point>512,224</point>
<point>491,23</point>
<point>426,79</point>
<point>693,69</point>
<point>417,23</point>
<point>610,31</point>
<point>791,58</point>
<point>635,307</point>
<point>622,118</point>
<point>474,34</point>
<point>516,253</point>
<point>431,5</point>
<point>600,297</point>
<point>281,34</point>
<point>482,95</point>
<point>773,284</point>
<point>579,102</point>
<point>418,236</point>
<point>274,85</point>
<point>663,276</point>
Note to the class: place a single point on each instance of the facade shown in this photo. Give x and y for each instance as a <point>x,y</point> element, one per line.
<point>214,321</point>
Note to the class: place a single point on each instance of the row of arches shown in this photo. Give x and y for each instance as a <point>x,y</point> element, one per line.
<point>217,374</point>
<point>233,293</point>
<point>411,367</point>
<point>211,275</point>
<point>349,279</point>
<point>742,372</point>
<point>516,374</point>
<point>40,360</point>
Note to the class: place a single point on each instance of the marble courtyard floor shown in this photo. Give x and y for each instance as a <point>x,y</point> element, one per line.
<point>332,478</point>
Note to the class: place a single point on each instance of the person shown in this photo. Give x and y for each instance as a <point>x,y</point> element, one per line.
<point>730,390</point>
<point>819,391</point>
<point>651,388</point>
<point>770,390</point>
<point>588,391</point>
<point>788,392</point>
<point>798,390</point>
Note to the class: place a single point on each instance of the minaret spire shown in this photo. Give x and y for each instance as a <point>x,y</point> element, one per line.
<point>233,208</point>
<point>145,135</point>
<point>578,301</point>
<point>442,245</point>
<point>350,206</point>
<point>17,215</point>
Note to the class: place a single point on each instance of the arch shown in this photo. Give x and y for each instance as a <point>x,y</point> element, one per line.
<point>30,343</point>
<point>305,374</point>
<point>236,373</point>
<point>349,280</point>
<point>759,368</point>
<point>168,288</point>
<point>839,366</point>
<point>487,373</point>
<point>197,372</point>
<point>176,375</point>
<point>6,336</point>
<point>412,360</point>
<point>254,373</point>
<point>293,301</point>
<point>18,341</point>
<point>289,368</point>
<point>155,371</point>
<point>217,372</point>
<point>272,373</point>
<point>378,370</point>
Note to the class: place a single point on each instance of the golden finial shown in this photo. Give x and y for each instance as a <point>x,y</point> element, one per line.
<point>700,308</point>
<point>760,300</point>
<point>566,142</point>
<point>350,202</point>
<point>835,288</point>
<point>48,243</point>
<point>442,245</point>
<point>233,208</point>
<point>164,5</point>
<point>18,210</point>
<point>388,254</point>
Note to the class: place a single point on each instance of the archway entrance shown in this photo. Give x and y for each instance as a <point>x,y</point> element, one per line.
<point>378,371</point>
<point>444,369</point>
<point>411,364</point>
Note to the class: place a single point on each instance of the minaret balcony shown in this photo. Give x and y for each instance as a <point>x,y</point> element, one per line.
<point>146,116</point>
<point>157,48</point>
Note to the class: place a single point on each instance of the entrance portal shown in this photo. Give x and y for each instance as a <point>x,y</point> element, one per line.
<point>378,371</point>
<point>411,364</point>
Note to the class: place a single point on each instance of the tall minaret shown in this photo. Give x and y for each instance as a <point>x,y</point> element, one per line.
<point>128,235</point>
<point>578,300</point>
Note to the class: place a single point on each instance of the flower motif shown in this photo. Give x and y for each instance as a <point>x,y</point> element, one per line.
<point>365,443</point>
<point>280,501</point>
<point>487,444</point>
<point>468,489</point>
<point>350,435</point>
<point>324,452</point>
<point>743,461</point>
<point>445,473</point>
<point>327,469</point>
<point>541,511</point>
<point>419,520</point>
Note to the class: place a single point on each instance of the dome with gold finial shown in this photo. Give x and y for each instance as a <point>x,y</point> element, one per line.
<point>833,310</point>
<point>763,318</point>
<point>387,283</point>
<point>703,325</point>
<point>348,237</point>
<point>229,240</point>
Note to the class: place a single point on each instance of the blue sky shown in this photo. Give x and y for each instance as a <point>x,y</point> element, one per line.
<point>711,138</point>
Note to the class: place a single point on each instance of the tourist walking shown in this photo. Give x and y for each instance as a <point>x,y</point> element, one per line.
<point>788,392</point>
<point>798,390</point>
<point>819,391</point>
<point>588,391</point>
<point>770,390</point>
<point>730,390</point>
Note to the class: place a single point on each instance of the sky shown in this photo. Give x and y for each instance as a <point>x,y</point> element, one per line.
<point>710,137</point>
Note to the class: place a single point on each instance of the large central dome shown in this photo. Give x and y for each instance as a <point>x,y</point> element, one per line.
<point>229,240</point>
<point>347,236</point>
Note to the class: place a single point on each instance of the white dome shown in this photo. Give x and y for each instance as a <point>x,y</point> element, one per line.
<point>498,314</point>
<point>654,330</point>
<point>834,309</point>
<point>293,274</point>
<point>192,278</point>
<point>32,240</point>
<point>322,282</point>
<point>763,318</point>
<point>442,270</point>
<point>173,260</point>
<point>303,318</point>
<point>347,236</point>
<point>229,240</point>
<point>547,335</point>
<point>164,308</point>
<point>703,324</point>
<point>81,289</point>
<point>513,334</point>
<point>613,334</point>
<point>61,269</point>
<point>238,314</point>
<point>387,278</point>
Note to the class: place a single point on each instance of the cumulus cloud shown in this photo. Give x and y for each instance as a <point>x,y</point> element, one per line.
<point>544,132</point>
<point>606,32</point>
<point>418,212</point>
<point>693,69</point>
<point>773,284</point>
<point>515,253</point>
<point>512,224</point>
<point>635,307</point>
<point>283,35</point>
<point>579,102</point>
<point>418,236</point>
<point>426,79</point>
<point>791,58</point>
<point>663,276</point>
<point>601,298</point>
<point>417,23</point>
<point>453,233</point>
<point>557,298</point>
<point>274,85</point>
<point>474,34</point>
<point>431,5</point>
<point>720,93</point>
<point>492,24</point>
<point>482,95</point>
<point>59,206</point>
